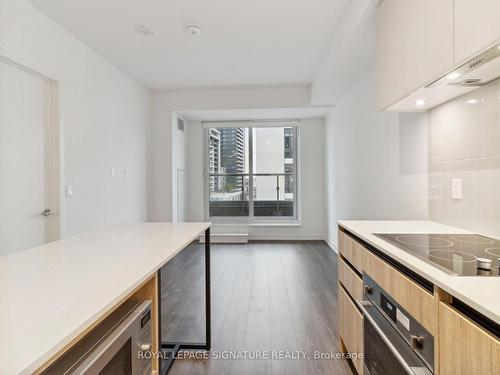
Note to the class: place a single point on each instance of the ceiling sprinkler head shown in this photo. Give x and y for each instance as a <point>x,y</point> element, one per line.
<point>143,30</point>
<point>193,30</point>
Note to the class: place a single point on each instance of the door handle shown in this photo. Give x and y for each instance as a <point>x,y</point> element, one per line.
<point>47,212</point>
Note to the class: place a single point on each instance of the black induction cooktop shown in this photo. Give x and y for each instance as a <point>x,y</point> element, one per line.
<point>456,254</point>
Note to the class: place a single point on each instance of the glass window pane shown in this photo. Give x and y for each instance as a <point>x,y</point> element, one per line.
<point>228,164</point>
<point>273,149</point>
<point>273,195</point>
<point>274,161</point>
<point>271,185</point>
<point>228,195</point>
<point>228,150</point>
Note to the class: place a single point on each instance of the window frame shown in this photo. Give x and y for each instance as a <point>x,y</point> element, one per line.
<point>252,220</point>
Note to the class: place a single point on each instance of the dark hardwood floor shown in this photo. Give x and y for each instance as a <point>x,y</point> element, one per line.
<point>266,297</point>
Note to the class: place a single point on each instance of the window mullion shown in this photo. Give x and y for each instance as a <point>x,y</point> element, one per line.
<point>295,172</point>
<point>250,174</point>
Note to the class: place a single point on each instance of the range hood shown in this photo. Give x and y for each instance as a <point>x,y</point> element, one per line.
<point>475,73</point>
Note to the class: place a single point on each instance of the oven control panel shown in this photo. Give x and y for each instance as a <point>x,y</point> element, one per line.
<point>145,341</point>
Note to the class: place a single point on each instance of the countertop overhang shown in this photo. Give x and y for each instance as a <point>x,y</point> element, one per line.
<point>479,292</point>
<point>50,294</point>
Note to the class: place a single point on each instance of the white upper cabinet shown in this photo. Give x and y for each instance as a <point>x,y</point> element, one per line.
<point>428,41</point>
<point>419,41</point>
<point>477,26</point>
<point>389,47</point>
<point>414,44</point>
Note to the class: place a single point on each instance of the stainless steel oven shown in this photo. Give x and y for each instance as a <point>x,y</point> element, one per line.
<point>394,342</point>
<point>119,345</point>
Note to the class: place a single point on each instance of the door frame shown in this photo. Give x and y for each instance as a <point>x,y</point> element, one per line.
<point>54,152</point>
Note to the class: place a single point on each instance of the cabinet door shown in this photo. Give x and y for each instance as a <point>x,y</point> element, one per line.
<point>350,280</point>
<point>477,26</point>
<point>414,45</point>
<point>428,47</point>
<point>389,52</point>
<point>351,250</point>
<point>464,347</point>
<point>351,327</point>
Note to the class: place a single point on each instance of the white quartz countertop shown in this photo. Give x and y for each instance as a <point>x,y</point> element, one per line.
<point>479,292</point>
<point>52,293</point>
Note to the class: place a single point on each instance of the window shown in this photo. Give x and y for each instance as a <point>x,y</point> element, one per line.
<point>252,171</point>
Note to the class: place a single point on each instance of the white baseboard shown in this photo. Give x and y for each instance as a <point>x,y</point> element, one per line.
<point>244,238</point>
<point>331,245</point>
<point>286,237</point>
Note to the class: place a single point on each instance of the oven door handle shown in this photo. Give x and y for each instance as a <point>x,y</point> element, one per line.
<point>383,336</point>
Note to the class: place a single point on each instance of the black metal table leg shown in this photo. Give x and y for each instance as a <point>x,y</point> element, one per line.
<point>208,299</point>
<point>170,349</point>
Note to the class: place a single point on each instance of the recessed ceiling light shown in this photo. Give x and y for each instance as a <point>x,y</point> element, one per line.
<point>419,102</point>
<point>498,47</point>
<point>471,101</point>
<point>193,30</point>
<point>453,75</point>
<point>143,30</point>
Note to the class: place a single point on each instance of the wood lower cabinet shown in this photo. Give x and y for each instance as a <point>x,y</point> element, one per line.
<point>464,347</point>
<point>351,250</point>
<point>350,327</point>
<point>350,280</point>
<point>412,297</point>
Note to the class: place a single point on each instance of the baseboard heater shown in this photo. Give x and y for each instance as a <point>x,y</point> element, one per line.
<point>226,238</point>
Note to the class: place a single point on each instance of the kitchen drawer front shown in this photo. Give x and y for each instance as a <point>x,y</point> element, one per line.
<point>351,327</point>
<point>464,347</point>
<point>411,296</point>
<point>350,280</point>
<point>351,250</point>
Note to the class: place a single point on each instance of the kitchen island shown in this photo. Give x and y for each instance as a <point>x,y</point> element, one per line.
<point>52,295</point>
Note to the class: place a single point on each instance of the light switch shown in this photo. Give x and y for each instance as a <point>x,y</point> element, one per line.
<point>125,172</point>
<point>69,191</point>
<point>456,188</point>
<point>112,172</point>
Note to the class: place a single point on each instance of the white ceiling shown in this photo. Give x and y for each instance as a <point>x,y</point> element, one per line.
<point>242,42</point>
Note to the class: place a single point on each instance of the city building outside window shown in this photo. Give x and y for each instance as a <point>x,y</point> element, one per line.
<point>252,171</point>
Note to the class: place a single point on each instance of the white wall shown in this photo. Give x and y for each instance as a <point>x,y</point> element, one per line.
<point>376,161</point>
<point>162,206</point>
<point>105,119</point>
<point>312,182</point>
<point>348,54</point>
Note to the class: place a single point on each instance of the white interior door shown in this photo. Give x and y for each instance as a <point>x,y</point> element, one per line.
<point>28,160</point>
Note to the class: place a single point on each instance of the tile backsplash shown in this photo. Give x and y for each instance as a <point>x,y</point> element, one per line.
<point>464,145</point>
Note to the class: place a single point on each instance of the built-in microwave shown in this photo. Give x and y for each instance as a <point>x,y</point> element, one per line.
<point>117,346</point>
